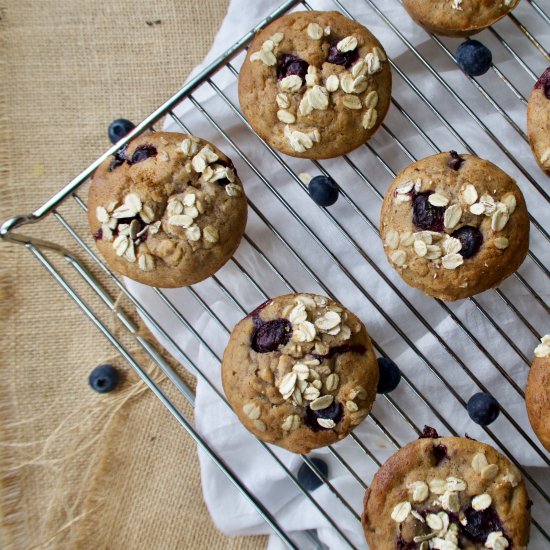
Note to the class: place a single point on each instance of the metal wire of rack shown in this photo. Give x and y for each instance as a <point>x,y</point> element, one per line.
<point>522,31</point>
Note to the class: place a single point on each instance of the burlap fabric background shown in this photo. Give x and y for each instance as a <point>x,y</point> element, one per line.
<point>81,470</point>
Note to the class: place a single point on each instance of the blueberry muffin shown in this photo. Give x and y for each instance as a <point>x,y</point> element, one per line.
<point>458,17</point>
<point>300,372</point>
<point>315,84</point>
<point>538,121</point>
<point>537,392</point>
<point>447,493</point>
<point>454,225</point>
<point>168,210</point>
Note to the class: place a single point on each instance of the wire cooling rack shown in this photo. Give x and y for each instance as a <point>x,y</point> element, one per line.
<point>520,45</point>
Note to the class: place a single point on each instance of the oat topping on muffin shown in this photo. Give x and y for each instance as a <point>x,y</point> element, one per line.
<point>169,206</point>
<point>474,498</point>
<point>310,77</point>
<point>454,213</point>
<point>300,371</point>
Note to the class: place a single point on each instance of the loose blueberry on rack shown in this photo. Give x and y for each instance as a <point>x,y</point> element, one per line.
<point>347,59</point>
<point>120,128</point>
<point>269,335</point>
<point>291,64</point>
<point>307,476</point>
<point>323,190</point>
<point>474,58</point>
<point>104,378</point>
<point>425,215</point>
<point>471,239</point>
<point>483,408</point>
<point>390,375</point>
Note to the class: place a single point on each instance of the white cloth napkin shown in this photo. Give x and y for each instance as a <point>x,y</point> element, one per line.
<point>214,420</point>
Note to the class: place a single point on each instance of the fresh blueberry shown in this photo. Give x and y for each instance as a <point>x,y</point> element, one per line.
<point>291,64</point>
<point>269,335</point>
<point>480,523</point>
<point>120,128</point>
<point>307,476</point>
<point>390,375</point>
<point>544,82</point>
<point>333,412</point>
<point>143,152</point>
<point>323,190</point>
<point>483,408</point>
<point>474,58</point>
<point>104,378</point>
<point>471,239</point>
<point>425,215</point>
<point>342,58</point>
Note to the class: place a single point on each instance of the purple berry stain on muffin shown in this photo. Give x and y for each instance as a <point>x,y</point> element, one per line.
<point>347,59</point>
<point>291,65</point>
<point>120,158</point>
<point>455,160</point>
<point>480,523</point>
<point>544,83</point>
<point>426,216</point>
<point>428,433</point>
<point>471,239</point>
<point>98,235</point>
<point>334,412</point>
<point>270,335</point>
<point>439,453</point>
<point>143,152</point>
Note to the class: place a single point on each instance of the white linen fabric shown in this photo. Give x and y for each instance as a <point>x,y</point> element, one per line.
<point>356,283</point>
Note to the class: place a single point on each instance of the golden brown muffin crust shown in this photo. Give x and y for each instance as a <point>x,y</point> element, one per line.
<point>477,194</point>
<point>537,392</point>
<point>170,217</point>
<point>332,110</point>
<point>310,386</point>
<point>458,17</point>
<point>450,478</point>
<point>538,121</point>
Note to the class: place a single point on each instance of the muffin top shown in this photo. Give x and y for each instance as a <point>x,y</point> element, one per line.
<point>315,84</point>
<point>458,17</point>
<point>300,371</point>
<point>168,210</point>
<point>454,225</point>
<point>448,493</point>
<point>538,121</point>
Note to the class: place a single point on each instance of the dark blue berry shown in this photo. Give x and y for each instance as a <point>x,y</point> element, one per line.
<point>323,190</point>
<point>291,64</point>
<point>483,408</point>
<point>474,58</point>
<point>120,128</point>
<point>480,523</point>
<point>471,239</point>
<point>425,215</point>
<point>544,83</point>
<point>104,378</point>
<point>334,412</point>
<point>269,335</point>
<point>342,58</point>
<point>390,375</point>
<point>307,476</point>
